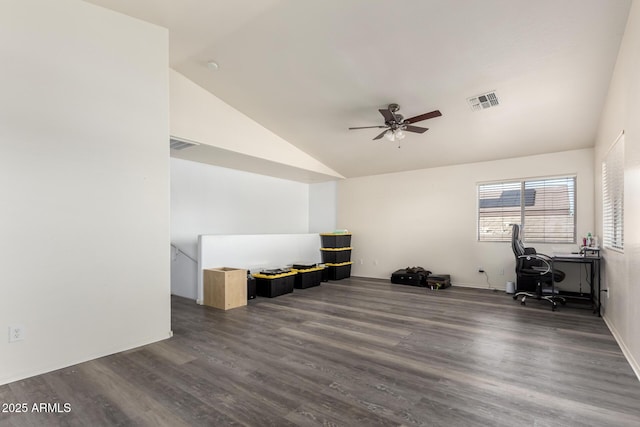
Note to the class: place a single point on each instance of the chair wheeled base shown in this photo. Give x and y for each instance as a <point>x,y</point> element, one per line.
<point>553,299</point>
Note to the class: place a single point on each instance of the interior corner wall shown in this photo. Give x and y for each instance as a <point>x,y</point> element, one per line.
<point>621,270</point>
<point>322,207</point>
<point>84,184</point>
<point>428,217</point>
<point>208,199</point>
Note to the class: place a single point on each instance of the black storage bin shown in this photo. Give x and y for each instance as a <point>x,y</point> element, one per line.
<point>331,240</point>
<point>276,285</point>
<point>336,255</point>
<point>339,271</point>
<point>251,287</point>
<point>308,277</point>
<point>303,266</point>
<point>325,274</point>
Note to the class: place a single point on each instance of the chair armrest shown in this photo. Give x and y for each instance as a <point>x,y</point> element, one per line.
<point>542,258</point>
<point>529,251</point>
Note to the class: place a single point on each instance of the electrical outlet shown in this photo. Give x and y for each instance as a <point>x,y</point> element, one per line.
<point>16,333</point>
<point>501,272</point>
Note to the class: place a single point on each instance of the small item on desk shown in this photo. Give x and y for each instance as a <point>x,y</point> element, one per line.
<point>590,241</point>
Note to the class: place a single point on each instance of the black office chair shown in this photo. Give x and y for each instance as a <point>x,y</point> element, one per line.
<point>534,273</point>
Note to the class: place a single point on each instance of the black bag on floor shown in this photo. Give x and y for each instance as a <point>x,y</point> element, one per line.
<point>413,276</point>
<point>439,281</point>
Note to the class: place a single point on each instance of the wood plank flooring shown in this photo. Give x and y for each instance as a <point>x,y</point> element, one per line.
<point>355,352</point>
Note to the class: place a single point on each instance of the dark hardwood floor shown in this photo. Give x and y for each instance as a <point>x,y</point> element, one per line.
<point>355,352</point>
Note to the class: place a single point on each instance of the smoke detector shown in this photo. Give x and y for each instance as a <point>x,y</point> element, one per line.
<point>180,144</point>
<point>484,101</point>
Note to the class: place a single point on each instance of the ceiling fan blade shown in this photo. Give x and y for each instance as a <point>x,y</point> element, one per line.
<point>388,115</point>
<point>368,127</point>
<point>416,129</point>
<point>424,116</point>
<point>380,136</point>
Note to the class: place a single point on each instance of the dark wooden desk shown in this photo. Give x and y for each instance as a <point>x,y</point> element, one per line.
<point>594,272</point>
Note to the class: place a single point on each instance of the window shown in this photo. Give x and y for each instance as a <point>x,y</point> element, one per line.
<point>545,207</point>
<point>613,196</point>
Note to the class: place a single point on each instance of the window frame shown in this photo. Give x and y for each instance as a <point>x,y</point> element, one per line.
<point>522,208</point>
<point>613,196</point>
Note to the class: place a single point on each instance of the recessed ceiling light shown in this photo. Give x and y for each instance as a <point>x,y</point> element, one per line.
<point>213,65</point>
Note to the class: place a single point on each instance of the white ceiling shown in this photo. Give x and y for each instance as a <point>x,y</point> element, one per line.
<point>307,70</point>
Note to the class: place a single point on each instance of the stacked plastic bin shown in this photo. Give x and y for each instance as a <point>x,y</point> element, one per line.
<point>336,254</point>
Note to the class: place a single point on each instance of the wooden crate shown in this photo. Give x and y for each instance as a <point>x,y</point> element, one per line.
<point>225,287</point>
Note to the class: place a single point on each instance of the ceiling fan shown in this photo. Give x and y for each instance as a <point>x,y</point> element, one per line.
<point>396,125</point>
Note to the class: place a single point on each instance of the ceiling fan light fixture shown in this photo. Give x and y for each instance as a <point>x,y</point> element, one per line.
<point>397,126</point>
<point>389,135</point>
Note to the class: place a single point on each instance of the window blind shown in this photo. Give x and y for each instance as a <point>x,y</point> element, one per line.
<point>613,196</point>
<point>545,208</point>
<point>552,218</point>
<point>499,206</point>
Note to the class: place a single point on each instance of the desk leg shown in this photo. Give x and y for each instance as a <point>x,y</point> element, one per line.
<point>592,287</point>
<point>597,263</point>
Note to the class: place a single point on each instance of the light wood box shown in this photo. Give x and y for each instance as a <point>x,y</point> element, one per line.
<point>225,287</point>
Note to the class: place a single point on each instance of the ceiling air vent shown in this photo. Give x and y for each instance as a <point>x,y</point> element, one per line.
<point>484,101</point>
<point>180,144</point>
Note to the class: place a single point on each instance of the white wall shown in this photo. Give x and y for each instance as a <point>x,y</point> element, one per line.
<point>622,270</point>
<point>209,199</point>
<point>322,207</point>
<point>429,217</point>
<point>84,184</point>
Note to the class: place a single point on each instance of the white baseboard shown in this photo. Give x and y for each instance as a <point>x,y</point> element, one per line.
<point>627,354</point>
<point>476,286</point>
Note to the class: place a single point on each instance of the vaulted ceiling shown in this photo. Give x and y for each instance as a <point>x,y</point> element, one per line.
<point>308,70</point>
